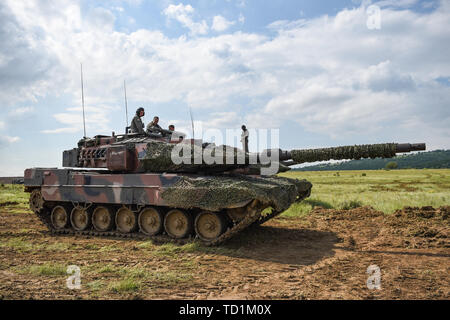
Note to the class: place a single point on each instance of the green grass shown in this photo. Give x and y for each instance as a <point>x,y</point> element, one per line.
<point>96,285</point>
<point>18,244</point>
<point>169,278</point>
<point>384,190</point>
<point>125,285</point>
<point>171,250</point>
<point>107,269</point>
<point>136,278</point>
<point>13,194</point>
<point>22,245</point>
<point>146,245</point>
<point>46,269</point>
<point>91,246</point>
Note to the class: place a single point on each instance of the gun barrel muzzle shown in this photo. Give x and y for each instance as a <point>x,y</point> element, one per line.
<point>408,147</point>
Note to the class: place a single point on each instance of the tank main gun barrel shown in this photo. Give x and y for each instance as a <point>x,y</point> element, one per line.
<point>408,147</point>
<point>383,150</point>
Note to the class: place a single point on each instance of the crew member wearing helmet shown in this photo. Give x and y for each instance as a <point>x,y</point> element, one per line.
<point>136,124</point>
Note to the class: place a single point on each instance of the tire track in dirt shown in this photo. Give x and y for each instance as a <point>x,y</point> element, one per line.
<point>324,255</point>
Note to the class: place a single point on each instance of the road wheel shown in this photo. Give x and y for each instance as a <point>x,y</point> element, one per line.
<point>126,220</point>
<point>209,225</point>
<point>151,221</point>
<point>102,219</point>
<point>178,223</point>
<point>59,217</point>
<point>80,218</point>
<point>36,200</point>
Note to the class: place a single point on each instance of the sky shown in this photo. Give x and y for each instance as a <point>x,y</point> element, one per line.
<point>324,73</point>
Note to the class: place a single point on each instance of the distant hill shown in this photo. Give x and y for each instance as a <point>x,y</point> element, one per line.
<point>430,160</point>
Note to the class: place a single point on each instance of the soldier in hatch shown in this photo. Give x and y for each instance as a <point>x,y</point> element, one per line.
<point>244,138</point>
<point>137,126</point>
<point>153,126</point>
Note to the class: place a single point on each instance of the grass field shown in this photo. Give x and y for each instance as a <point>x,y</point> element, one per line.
<point>384,190</point>
<point>323,255</point>
<point>13,195</point>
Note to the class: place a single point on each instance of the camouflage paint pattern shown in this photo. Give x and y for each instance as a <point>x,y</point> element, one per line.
<point>212,193</point>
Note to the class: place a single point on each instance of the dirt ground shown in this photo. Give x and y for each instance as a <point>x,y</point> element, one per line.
<point>324,255</point>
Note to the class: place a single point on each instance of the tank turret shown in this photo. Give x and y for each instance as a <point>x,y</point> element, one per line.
<point>170,152</point>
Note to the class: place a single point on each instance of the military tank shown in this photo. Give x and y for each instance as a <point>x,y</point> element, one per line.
<point>134,185</point>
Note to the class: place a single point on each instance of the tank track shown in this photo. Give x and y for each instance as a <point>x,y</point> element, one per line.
<point>249,219</point>
<point>252,218</point>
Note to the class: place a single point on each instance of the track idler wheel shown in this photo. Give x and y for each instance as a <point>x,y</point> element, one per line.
<point>80,218</point>
<point>151,221</point>
<point>210,225</point>
<point>36,201</point>
<point>102,219</point>
<point>59,217</point>
<point>237,214</point>
<point>178,223</point>
<point>126,220</point>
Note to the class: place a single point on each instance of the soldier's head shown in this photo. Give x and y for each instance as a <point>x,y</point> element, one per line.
<point>244,127</point>
<point>155,119</point>
<point>140,112</point>
<point>172,127</point>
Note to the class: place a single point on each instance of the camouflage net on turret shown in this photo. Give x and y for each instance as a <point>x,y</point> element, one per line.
<point>158,158</point>
<point>218,192</point>
<point>383,150</point>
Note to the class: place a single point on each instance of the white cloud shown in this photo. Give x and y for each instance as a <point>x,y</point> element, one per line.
<point>11,139</point>
<point>223,120</point>
<point>61,130</point>
<point>72,119</point>
<point>396,3</point>
<point>20,111</point>
<point>184,14</point>
<point>221,24</point>
<point>4,140</point>
<point>330,74</point>
<point>100,18</point>
<point>241,18</point>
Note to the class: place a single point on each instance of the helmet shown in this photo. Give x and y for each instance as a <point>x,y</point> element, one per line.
<point>138,111</point>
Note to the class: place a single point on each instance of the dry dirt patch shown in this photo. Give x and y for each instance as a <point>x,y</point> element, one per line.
<point>324,255</point>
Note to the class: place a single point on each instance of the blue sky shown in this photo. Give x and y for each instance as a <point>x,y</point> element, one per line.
<point>312,69</point>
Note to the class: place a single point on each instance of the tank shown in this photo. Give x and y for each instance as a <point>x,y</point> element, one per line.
<point>164,187</point>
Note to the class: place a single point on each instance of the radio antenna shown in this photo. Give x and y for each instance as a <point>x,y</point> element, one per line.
<point>126,103</point>
<point>192,123</point>
<point>82,100</point>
